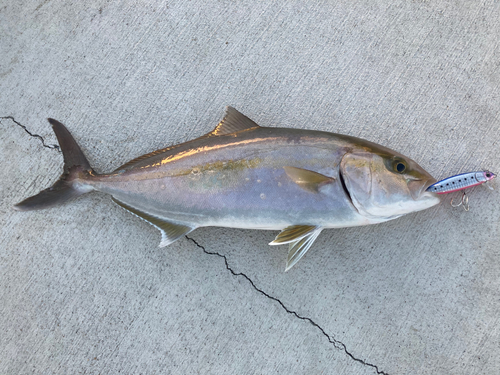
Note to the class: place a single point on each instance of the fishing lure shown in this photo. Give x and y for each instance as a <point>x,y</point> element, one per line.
<point>461,181</point>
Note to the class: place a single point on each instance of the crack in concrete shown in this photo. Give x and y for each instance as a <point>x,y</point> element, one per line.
<point>54,147</point>
<point>336,343</point>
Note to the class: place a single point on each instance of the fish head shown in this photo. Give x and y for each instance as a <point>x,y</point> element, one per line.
<point>384,185</point>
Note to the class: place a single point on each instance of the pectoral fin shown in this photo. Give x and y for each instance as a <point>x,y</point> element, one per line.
<point>299,248</point>
<point>306,179</point>
<point>171,231</point>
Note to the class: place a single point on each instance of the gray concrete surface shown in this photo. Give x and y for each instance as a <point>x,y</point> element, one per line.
<point>84,287</point>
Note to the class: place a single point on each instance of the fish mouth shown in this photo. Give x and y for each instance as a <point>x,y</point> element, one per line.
<point>422,190</point>
<point>428,183</point>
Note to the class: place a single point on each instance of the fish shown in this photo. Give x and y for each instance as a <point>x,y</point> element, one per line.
<point>461,181</point>
<point>242,175</point>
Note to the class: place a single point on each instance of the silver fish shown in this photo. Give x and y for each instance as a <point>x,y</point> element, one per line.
<point>242,175</point>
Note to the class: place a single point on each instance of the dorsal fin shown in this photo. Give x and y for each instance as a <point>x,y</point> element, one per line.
<point>145,156</point>
<point>233,122</point>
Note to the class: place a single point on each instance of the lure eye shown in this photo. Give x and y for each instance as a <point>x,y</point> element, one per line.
<point>488,175</point>
<point>399,166</point>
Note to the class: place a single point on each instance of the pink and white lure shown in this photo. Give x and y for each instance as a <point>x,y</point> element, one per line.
<point>461,181</point>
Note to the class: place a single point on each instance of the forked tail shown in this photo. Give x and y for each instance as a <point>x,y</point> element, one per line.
<point>76,168</point>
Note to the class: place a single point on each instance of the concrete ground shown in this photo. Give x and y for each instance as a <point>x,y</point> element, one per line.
<point>84,287</point>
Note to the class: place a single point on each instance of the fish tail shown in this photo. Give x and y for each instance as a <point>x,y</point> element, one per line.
<point>71,183</point>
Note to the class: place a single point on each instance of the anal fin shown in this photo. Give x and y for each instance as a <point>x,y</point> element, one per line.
<point>170,230</point>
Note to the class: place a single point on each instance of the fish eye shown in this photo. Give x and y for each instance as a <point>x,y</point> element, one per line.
<point>399,166</point>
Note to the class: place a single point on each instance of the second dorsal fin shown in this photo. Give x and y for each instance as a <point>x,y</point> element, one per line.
<point>233,122</point>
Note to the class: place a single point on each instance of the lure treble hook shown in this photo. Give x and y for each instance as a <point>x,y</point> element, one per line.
<point>464,202</point>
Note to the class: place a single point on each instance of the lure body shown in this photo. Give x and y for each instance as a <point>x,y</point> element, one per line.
<point>461,181</point>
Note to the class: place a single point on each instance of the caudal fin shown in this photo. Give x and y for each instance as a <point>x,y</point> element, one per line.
<point>76,167</point>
